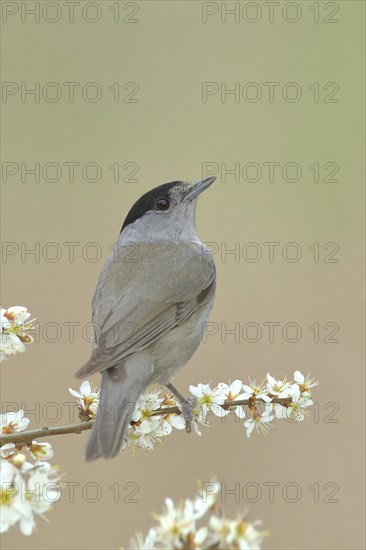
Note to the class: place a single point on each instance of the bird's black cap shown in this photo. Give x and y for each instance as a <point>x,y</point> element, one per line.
<point>147,202</point>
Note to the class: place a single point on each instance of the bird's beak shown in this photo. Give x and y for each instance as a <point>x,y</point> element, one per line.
<point>198,187</point>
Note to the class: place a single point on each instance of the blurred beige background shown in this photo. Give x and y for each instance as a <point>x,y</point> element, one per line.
<point>168,133</point>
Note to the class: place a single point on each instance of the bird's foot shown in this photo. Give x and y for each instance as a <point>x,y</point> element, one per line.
<point>188,407</point>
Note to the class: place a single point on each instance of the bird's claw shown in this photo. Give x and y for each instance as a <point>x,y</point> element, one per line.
<point>188,407</point>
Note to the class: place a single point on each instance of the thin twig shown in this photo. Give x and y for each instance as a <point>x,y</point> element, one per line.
<point>24,438</point>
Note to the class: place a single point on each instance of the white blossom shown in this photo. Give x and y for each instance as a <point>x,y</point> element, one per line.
<point>7,450</point>
<point>38,451</point>
<point>199,537</point>
<point>147,428</point>
<point>239,533</point>
<point>281,412</point>
<point>223,530</point>
<point>26,489</point>
<point>139,542</point>
<point>16,314</point>
<point>296,408</point>
<point>277,388</point>
<point>146,434</point>
<point>88,400</point>
<point>234,392</point>
<point>175,523</point>
<point>305,383</point>
<point>10,505</point>
<point>259,421</point>
<point>41,451</point>
<point>256,391</point>
<point>204,501</point>
<point>13,333</point>
<point>13,422</point>
<point>43,489</point>
<point>177,527</point>
<point>148,402</point>
<point>10,344</point>
<point>247,536</point>
<point>208,399</point>
<point>177,421</point>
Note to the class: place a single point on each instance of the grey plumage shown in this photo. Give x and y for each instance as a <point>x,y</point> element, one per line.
<point>121,387</point>
<point>152,301</point>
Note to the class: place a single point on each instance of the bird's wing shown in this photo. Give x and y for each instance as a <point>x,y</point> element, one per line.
<point>168,284</point>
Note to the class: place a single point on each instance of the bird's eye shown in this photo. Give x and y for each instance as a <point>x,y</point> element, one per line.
<point>163,204</point>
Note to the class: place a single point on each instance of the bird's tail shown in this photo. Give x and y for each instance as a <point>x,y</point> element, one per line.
<point>119,394</point>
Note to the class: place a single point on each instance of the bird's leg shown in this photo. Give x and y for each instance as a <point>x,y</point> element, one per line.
<point>188,405</point>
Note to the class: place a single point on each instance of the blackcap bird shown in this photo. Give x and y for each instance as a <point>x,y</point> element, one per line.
<point>151,305</point>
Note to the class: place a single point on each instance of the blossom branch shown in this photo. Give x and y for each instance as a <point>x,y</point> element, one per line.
<point>154,416</point>
<point>178,526</point>
<point>24,438</point>
<point>226,405</point>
